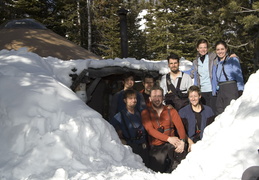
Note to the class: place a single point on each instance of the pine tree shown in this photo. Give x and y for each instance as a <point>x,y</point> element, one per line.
<point>6,10</point>
<point>136,36</point>
<point>172,28</point>
<point>240,29</point>
<point>106,41</point>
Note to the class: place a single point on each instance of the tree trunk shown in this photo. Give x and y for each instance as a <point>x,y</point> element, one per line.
<point>79,21</point>
<point>89,25</point>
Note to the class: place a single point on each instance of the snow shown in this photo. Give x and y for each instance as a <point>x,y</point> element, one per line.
<point>142,20</point>
<point>48,133</point>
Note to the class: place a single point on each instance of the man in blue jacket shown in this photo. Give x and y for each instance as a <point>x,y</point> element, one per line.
<point>129,126</point>
<point>117,103</point>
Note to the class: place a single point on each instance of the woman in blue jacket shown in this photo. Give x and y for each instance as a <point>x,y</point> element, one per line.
<point>228,80</point>
<point>196,116</point>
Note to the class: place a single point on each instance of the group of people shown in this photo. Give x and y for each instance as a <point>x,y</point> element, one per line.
<point>219,75</point>
<point>162,122</point>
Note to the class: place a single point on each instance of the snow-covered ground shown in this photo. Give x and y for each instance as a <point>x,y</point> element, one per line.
<point>48,133</point>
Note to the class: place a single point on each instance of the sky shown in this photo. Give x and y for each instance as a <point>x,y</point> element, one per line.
<point>48,133</point>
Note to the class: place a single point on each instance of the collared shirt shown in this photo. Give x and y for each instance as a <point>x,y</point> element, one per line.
<point>185,83</point>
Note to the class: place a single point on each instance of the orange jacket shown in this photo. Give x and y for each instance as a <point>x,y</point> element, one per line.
<point>152,122</point>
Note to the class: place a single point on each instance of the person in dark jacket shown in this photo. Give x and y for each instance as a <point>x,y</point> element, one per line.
<point>117,102</point>
<point>148,83</point>
<point>129,127</point>
<point>196,116</point>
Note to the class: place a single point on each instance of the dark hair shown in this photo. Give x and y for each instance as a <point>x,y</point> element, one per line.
<point>128,93</point>
<point>148,76</point>
<point>157,88</point>
<point>194,88</point>
<point>127,75</point>
<point>201,41</point>
<point>173,56</point>
<point>221,42</point>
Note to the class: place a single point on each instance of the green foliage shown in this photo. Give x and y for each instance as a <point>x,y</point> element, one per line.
<point>6,10</point>
<point>106,30</point>
<point>171,26</point>
<point>136,37</point>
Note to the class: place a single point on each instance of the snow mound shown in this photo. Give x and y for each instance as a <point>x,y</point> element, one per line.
<point>47,132</point>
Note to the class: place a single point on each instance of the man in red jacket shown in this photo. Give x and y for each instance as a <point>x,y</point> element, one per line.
<point>163,124</point>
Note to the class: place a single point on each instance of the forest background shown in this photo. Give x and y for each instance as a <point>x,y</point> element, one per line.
<point>170,26</point>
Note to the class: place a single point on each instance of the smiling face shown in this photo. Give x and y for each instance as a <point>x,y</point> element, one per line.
<point>156,98</point>
<point>129,83</point>
<point>221,51</point>
<point>202,49</point>
<point>194,98</point>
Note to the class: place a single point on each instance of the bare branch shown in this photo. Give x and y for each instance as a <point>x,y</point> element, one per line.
<point>241,45</point>
<point>246,10</point>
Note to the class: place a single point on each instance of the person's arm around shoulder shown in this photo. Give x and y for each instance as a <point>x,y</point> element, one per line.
<point>212,56</point>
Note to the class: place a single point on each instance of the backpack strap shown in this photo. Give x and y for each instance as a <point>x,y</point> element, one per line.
<point>223,69</point>
<point>123,112</point>
<point>179,82</point>
<point>170,86</point>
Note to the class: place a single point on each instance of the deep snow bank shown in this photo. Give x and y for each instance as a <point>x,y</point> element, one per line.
<point>46,128</point>
<point>47,132</point>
